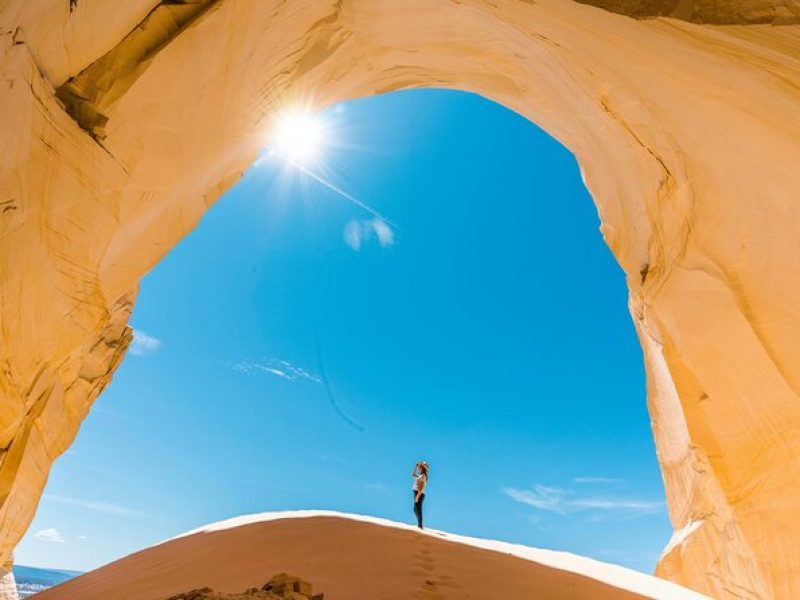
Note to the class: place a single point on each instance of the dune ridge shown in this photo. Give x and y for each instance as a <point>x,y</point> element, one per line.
<point>357,556</point>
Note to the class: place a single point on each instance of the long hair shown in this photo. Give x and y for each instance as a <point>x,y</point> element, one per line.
<point>424,468</point>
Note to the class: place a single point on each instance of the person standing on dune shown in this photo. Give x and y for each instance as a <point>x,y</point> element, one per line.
<point>420,475</point>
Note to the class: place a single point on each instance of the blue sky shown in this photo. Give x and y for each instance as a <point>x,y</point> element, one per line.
<point>295,351</point>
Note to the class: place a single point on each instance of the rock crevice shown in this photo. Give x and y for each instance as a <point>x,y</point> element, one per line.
<point>727,12</point>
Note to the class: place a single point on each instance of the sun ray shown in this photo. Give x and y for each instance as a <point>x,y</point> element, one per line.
<point>299,138</point>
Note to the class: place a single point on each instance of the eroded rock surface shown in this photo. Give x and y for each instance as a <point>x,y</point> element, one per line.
<point>720,12</point>
<point>121,123</point>
<point>280,587</point>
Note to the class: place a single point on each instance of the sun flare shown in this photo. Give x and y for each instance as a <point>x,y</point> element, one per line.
<point>298,136</point>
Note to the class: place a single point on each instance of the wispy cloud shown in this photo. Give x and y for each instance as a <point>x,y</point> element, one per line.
<point>116,415</point>
<point>564,501</point>
<point>542,497</point>
<point>358,232</point>
<point>143,343</point>
<point>375,487</point>
<point>641,506</point>
<point>49,535</point>
<point>279,368</point>
<point>96,506</point>
<point>598,480</point>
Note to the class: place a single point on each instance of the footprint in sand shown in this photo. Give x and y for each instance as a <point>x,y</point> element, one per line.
<point>433,585</point>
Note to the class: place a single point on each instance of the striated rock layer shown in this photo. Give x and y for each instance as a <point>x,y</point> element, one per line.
<point>121,123</point>
<point>280,587</point>
<point>725,12</point>
<point>354,557</point>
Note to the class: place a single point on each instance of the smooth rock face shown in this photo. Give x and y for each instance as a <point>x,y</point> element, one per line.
<point>122,122</point>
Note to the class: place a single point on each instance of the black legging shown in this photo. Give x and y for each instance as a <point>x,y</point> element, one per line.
<point>418,508</point>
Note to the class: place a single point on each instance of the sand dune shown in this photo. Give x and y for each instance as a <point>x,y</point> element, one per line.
<point>356,557</point>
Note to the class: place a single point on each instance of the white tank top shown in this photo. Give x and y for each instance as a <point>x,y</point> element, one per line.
<point>419,482</point>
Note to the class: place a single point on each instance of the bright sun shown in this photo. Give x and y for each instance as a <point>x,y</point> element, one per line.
<point>298,136</point>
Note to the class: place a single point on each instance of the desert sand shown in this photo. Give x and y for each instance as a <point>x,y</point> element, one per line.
<point>352,557</point>
<point>122,122</point>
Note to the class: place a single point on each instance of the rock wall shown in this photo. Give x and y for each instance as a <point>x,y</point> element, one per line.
<point>122,123</point>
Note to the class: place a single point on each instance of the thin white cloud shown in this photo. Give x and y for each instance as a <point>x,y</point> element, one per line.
<point>358,232</point>
<point>143,344</point>
<point>279,368</point>
<point>375,487</point>
<point>563,501</point>
<point>642,506</point>
<point>81,537</point>
<point>49,535</point>
<point>598,480</point>
<point>542,497</point>
<point>383,232</point>
<point>96,506</point>
<point>116,415</point>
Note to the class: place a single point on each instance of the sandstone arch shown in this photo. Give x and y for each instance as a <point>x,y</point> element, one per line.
<point>121,124</point>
